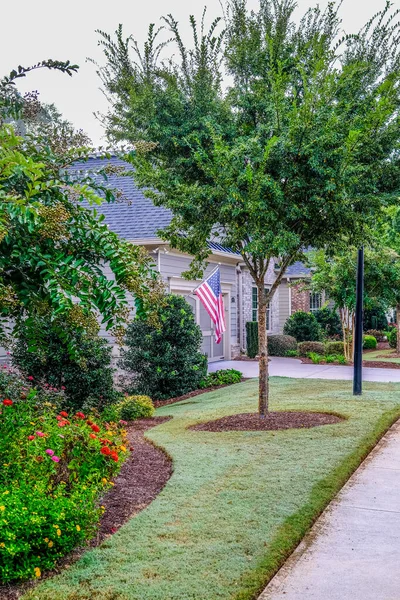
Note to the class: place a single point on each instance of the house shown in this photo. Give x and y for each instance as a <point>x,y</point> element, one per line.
<point>135,218</point>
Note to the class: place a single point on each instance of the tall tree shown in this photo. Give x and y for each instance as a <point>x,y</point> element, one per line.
<point>335,275</point>
<point>52,247</point>
<point>289,155</point>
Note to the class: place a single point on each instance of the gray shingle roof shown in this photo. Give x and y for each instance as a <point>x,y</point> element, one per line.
<point>297,269</point>
<point>133,217</point>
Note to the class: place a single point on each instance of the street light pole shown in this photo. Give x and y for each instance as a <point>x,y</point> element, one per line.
<point>358,334</point>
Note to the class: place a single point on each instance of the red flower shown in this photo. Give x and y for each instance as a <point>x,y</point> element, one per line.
<point>105,441</point>
<point>105,450</point>
<point>31,437</point>
<point>94,437</point>
<point>89,422</point>
<point>59,418</point>
<point>95,428</point>
<point>62,423</point>
<point>30,378</point>
<point>131,448</point>
<point>7,402</point>
<point>80,415</point>
<point>114,456</point>
<point>64,414</point>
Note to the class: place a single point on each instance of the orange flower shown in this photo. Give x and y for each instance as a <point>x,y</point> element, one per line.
<point>94,437</point>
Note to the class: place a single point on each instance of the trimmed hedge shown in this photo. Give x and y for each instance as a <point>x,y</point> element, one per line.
<point>369,342</point>
<point>279,345</point>
<point>334,348</point>
<point>314,347</point>
<point>252,338</point>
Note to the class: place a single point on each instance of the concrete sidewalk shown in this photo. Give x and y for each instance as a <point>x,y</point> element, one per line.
<point>291,367</point>
<point>353,551</point>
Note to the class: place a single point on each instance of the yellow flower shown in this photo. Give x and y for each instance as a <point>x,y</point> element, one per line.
<point>37,572</point>
<point>6,492</point>
<point>55,526</point>
<point>51,544</point>
<point>2,508</point>
<point>32,423</point>
<point>58,532</point>
<point>46,540</point>
<point>104,480</point>
<point>122,448</point>
<point>78,528</point>
<point>2,545</point>
<point>111,483</point>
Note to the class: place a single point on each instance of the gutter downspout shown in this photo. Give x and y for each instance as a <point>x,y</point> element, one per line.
<point>240,306</point>
<point>290,296</point>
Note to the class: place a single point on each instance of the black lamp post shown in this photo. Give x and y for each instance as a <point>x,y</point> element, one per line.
<point>358,334</point>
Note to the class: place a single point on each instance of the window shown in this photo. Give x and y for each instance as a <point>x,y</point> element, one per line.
<point>315,301</point>
<point>255,308</point>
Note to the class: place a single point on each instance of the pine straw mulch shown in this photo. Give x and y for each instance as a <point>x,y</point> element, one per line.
<point>141,479</point>
<point>272,422</point>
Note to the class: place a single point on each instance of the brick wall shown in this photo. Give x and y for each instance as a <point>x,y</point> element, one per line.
<point>300,299</point>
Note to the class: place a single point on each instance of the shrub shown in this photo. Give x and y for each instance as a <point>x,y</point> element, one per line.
<point>134,407</point>
<point>369,342</point>
<point>252,338</point>
<point>341,359</point>
<point>55,465</point>
<point>379,335</point>
<point>330,358</point>
<point>334,348</point>
<point>329,321</point>
<point>375,318</point>
<point>315,357</point>
<point>303,327</point>
<point>305,347</point>
<point>164,360</point>
<point>221,377</point>
<point>87,376</point>
<point>392,339</point>
<point>279,345</point>
<point>293,353</point>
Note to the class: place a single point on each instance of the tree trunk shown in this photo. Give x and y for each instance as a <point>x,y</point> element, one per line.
<point>398,328</point>
<point>347,319</point>
<point>263,398</point>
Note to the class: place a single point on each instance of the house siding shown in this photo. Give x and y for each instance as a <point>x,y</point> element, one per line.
<point>284,292</point>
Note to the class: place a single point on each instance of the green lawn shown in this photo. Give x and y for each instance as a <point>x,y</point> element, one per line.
<point>237,502</point>
<point>381,356</point>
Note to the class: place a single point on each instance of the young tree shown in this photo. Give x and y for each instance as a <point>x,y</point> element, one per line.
<point>52,248</point>
<point>390,233</point>
<point>335,275</point>
<point>289,156</point>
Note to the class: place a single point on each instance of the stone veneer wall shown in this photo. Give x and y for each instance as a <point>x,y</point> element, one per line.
<point>248,285</point>
<point>300,299</point>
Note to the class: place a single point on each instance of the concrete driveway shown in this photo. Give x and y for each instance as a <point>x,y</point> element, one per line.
<point>292,367</point>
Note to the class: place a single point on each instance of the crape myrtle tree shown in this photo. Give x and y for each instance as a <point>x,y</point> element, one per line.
<point>286,154</point>
<point>53,247</point>
<point>335,275</point>
<point>389,231</point>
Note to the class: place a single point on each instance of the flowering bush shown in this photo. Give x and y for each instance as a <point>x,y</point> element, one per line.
<point>54,466</point>
<point>130,408</point>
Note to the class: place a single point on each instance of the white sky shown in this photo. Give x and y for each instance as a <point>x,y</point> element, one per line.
<point>41,29</point>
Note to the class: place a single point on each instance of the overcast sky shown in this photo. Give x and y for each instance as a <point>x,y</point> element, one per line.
<point>41,29</point>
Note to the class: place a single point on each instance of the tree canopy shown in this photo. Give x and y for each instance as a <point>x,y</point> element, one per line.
<point>52,247</point>
<point>298,148</point>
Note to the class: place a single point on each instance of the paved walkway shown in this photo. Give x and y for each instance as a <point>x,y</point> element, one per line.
<point>353,551</point>
<point>291,367</point>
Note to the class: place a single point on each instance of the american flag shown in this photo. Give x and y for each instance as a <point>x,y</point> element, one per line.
<point>210,295</point>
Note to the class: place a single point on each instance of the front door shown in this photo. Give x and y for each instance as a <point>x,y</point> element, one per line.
<point>209,347</point>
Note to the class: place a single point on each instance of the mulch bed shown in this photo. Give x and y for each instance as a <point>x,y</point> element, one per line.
<point>141,479</point>
<point>272,422</point>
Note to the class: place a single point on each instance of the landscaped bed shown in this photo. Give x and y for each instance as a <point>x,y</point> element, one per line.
<point>238,502</point>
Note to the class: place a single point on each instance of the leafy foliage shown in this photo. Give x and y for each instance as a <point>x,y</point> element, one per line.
<point>135,407</point>
<point>306,347</point>
<point>379,335</point>
<point>221,377</point>
<point>87,378</point>
<point>375,318</point>
<point>54,467</point>
<point>393,338</point>
<point>279,345</point>
<point>334,348</point>
<point>303,327</point>
<point>300,150</point>
<point>369,342</point>
<point>329,321</point>
<point>52,248</point>
<point>165,361</point>
<point>252,338</point>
